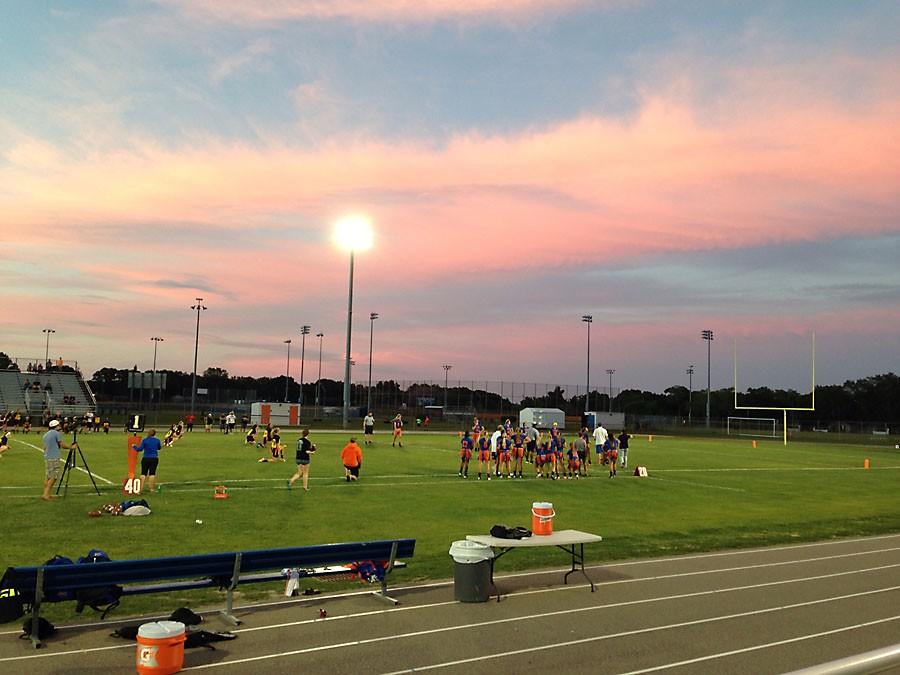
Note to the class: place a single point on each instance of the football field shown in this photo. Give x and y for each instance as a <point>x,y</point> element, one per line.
<point>701,495</point>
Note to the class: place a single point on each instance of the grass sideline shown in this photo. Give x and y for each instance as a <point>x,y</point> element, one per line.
<point>703,494</point>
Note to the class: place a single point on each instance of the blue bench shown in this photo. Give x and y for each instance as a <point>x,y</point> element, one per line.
<point>226,570</point>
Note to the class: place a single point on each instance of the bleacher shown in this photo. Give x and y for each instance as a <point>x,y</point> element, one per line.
<point>62,385</point>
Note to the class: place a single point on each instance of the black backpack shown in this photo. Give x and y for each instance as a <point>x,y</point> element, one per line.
<point>186,616</point>
<point>45,629</point>
<point>12,606</point>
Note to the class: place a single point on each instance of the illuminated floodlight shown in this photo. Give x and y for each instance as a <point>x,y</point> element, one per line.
<point>353,233</point>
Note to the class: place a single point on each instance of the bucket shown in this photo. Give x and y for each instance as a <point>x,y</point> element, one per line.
<point>160,648</point>
<point>542,518</point>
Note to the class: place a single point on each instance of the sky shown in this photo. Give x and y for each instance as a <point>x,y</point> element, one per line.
<point>664,166</point>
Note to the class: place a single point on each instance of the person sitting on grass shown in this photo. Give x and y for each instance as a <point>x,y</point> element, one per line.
<point>351,456</point>
<point>277,453</point>
<point>250,438</point>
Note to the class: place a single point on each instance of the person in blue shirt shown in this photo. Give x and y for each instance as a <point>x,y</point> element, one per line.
<point>150,446</point>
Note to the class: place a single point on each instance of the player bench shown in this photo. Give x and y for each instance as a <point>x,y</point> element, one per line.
<point>38,584</point>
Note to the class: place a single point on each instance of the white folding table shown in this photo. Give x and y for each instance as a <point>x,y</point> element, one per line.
<point>570,541</point>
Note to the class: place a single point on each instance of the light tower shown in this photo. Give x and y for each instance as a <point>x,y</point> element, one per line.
<point>287,373</point>
<point>709,337</point>
<point>156,341</point>
<point>610,371</point>
<point>690,374</point>
<point>199,307</point>
<point>588,319</point>
<point>47,348</point>
<point>304,331</point>
<point>372,317</point>
<point>353,233</point>
<point>446,368</point>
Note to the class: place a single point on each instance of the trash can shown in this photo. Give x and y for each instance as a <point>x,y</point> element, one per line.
<point>471,571</point>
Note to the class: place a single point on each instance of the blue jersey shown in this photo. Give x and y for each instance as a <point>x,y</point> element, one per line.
<point>150,447</point>
<point>466,444</point>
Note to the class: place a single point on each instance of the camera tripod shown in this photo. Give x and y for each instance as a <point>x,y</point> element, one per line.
<point>72,463</point>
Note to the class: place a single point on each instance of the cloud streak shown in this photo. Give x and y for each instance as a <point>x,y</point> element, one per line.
<point>414,11</point>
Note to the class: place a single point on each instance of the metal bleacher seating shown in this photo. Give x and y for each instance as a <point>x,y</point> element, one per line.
<point>14,396</point>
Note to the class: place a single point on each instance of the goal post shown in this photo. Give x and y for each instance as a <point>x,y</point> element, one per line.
<point>784,409</point>
<point>757,427</point>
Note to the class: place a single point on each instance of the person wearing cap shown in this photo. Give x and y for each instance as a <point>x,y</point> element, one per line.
<point>53,443</point>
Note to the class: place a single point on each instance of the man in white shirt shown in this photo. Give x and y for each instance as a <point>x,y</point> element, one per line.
<point>368,427</point>
<point>600,437</point>
<point>494,438</point>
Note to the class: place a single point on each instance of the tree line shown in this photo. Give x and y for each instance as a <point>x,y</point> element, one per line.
<point>870,399</point>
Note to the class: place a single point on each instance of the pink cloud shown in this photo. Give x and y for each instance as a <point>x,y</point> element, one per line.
<point>663,181</point>
<point>393,10</point>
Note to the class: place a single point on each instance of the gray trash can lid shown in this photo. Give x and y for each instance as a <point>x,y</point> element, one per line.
<point>465,551</point>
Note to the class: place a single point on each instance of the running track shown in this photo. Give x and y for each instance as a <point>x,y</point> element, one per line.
<point>767,610</point>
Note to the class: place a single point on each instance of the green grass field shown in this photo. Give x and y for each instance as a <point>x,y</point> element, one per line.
<point>702,494</point>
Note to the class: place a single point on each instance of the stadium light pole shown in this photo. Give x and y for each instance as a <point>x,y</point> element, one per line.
<point>199,307</point>
<point>304,331</point>
<point>709,337</point>
<point>156,341</point>
<point>353,233</point>
<point>446,375</point>
<point>319,378</point>
<point>690,374</point>
<point>588,319</point>
<point>372,317</point>
<point>610,371</point>
<point>287,373</point>
<point>47,348</point>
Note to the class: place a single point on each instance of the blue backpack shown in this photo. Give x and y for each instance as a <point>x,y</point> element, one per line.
<point>100,598</point>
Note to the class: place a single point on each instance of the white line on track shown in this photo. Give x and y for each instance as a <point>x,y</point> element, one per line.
<point>571,643</point>
<point>40,450</point>
<point>483,624</point>
<point>778,643</point>
<point>542,615</point>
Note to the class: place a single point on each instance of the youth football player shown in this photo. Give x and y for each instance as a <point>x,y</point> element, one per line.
<point>477,430</point>
<point>541,458</point>
<point>504,448</point>
<point>612,454</point>
<point>398,430</point>
<point>484,457</point>
<point>518,453</point>
<point>465,454</point>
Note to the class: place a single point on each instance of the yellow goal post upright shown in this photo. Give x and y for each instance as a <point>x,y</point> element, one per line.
<point>784,409</point>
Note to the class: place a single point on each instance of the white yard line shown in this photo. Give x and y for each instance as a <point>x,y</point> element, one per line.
<point>40,450</point>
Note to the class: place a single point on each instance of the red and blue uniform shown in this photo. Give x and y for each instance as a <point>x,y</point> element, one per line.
<point>484,449</point>
<point>465,448</point>
<point>503,446</point>
<point>542,452</point>
<point>519,446</point>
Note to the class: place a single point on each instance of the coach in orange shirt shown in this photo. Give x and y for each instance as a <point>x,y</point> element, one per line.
<point>351,456</point>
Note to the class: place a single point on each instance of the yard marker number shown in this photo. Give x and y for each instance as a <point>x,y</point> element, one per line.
<point>132,486</point>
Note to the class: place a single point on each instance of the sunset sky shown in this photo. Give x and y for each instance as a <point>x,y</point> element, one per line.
<point>665,166</point>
